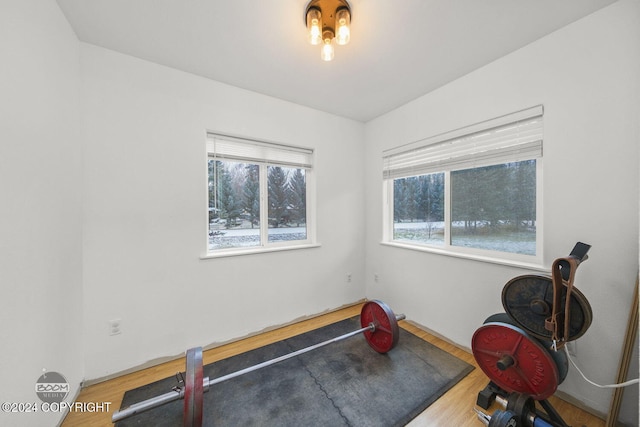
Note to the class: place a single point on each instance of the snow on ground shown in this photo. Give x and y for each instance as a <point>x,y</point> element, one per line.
<point>247,237</point>
<point>418,232</point>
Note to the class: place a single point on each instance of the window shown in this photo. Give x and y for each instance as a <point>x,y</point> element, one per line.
<point>474,191</point>
<point>258,195</point>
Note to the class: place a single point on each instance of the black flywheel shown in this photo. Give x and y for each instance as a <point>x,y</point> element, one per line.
<point>528,300</point>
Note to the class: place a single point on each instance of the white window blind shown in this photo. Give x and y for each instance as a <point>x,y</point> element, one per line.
<point>511,138</point>
<point>246,150</point>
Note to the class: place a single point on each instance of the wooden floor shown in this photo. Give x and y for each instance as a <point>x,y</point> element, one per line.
<point>455,408</point>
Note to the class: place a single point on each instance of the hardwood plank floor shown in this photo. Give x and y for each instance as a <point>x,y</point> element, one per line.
<point>455,408</point>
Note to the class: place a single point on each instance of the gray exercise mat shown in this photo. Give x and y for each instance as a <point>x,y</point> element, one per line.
<point>343,384</point>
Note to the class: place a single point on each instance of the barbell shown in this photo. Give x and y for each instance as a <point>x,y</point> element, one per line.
<point>379,325</point>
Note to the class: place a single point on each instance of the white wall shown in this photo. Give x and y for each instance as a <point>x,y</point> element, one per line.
<point>40,230</point>
<point>124,225</point>
<point>145,214</point>
<point>586,76</point>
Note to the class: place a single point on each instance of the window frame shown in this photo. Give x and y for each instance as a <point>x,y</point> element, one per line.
<point>534,262</point>
<point>263,165</point>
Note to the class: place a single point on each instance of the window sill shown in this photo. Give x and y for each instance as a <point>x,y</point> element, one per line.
<point>482,258</point>
<point>253,251</point>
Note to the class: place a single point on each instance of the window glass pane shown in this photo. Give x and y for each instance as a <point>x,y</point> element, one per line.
<point>418,209</point>
<point>494,207</point>
<point>234,204</point>
<point>287,204</point>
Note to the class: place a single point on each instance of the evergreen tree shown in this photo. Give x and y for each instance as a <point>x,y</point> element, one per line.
<point>229,204</point>
<point>251,193</point>
<point>430,197</point>
<point>399,208</point>
<point>411,198</point>
<point>465,203</point>
<point>523,193</point>
<point>494,183</point>
<point>298,196</point>
<point>475,196</point>
<point>437,196</point>
<point>499,195</point>
<point>278,200</point>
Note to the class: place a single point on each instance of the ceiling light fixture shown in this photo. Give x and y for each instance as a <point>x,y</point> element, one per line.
<point>328,20</point>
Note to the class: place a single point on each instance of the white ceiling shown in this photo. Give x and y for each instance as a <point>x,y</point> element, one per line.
<point>399,49</point>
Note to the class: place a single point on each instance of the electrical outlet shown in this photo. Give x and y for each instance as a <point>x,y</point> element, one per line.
<point>349,278</point>
<point>572,348</point>
<point>115,327</point>
<point>376,277</point>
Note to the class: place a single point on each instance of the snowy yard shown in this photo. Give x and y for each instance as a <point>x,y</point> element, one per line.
<point>247,237</point>
<point>432,233</point>
<point>424,233</point>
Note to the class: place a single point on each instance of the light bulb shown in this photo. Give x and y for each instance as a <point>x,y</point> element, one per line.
<point>343,21</point>
<point>313,26</point>
<point>327,49</point>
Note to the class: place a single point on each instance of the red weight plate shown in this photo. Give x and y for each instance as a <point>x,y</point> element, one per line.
<point>559,357</point>
<point>386,333</point>
<point>515,361</point>
<point>193,388</point>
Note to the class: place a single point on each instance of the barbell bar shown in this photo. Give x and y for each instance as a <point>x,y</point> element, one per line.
<point>379,327</point>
